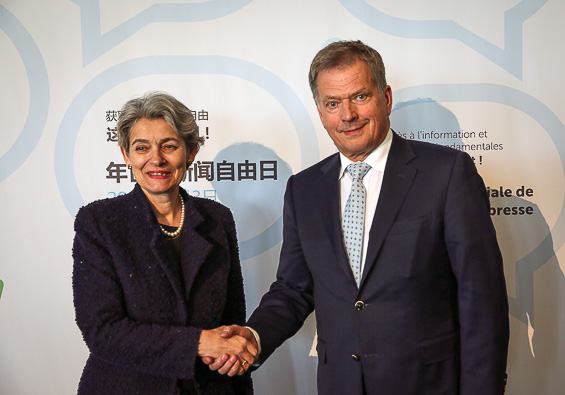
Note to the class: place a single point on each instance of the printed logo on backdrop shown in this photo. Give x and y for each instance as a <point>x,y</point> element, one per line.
<point>95,43</point>
<point>272,171</point>
<point>509,57</point>
<point>240,164</point>
<point>38,81</point>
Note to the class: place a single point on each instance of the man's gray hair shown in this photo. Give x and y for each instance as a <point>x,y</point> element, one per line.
<point>347,53</point>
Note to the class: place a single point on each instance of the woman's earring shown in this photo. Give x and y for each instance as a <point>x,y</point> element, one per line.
<point>129,167</point>
<point>188,163</point>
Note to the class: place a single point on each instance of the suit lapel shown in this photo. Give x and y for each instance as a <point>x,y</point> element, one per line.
<point>397,179</point>
<point>327,192</point>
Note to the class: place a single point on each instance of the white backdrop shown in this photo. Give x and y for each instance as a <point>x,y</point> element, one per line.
<point>482,76</point>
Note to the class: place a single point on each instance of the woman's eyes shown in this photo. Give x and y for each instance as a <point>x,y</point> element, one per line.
<point>142,148</point>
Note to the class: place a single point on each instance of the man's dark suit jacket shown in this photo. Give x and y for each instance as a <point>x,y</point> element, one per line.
<point>139,315</point>
<point>431,313</point>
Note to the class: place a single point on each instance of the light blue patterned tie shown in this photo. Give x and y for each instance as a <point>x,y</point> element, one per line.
<point>354,218</point>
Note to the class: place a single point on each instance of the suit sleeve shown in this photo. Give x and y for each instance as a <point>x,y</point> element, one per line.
<point>167,351</point>
<point>289,301</point>
<point>477,263</point>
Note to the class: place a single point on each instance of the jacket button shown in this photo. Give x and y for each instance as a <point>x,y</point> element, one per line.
<point>359,305</point>
<point>355,357</point>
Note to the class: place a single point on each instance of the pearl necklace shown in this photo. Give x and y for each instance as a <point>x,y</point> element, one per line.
<point>179,229</point>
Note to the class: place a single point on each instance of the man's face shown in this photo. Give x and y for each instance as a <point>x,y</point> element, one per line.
<point>352,110</point>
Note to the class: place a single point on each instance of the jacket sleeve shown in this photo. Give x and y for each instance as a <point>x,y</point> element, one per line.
<point>234,311</point>
<point>289,301</point>
<point>477,264</point>
<point>167,351</point>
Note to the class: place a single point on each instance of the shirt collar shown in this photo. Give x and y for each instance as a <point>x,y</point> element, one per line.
<point>376,159</point>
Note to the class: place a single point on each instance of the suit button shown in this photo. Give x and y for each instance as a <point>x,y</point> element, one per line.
<point>359,305</point>
<point>355,357</point>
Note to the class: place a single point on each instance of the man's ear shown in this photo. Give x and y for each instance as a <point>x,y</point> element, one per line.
<point>388,97</point>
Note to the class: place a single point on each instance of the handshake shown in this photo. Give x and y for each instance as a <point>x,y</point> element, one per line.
<point>229,350</point>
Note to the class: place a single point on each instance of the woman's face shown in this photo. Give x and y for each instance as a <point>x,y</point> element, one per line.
<point>158,156</point>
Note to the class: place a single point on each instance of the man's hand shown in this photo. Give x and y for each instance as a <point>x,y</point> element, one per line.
<point>226,350</point>
<point>231,364</point>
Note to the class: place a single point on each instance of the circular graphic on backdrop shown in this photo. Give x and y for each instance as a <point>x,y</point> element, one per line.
<point>38,94</point>
<point>155,65</point>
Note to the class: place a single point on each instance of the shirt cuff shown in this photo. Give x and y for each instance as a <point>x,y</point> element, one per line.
<point>258,340</point>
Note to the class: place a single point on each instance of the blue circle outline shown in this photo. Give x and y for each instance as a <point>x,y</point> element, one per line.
<point>155,65</point>
<point>38,80</point>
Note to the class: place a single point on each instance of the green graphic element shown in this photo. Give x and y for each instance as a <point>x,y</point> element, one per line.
<point>1,287</point>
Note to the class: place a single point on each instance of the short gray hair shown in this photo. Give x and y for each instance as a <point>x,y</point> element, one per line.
<point>158,105</point>
<point>347,53</point>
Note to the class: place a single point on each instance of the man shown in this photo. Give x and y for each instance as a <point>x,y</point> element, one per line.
<point>419,305</point>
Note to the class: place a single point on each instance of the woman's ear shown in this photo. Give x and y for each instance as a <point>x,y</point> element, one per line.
<point>125,155</point>
<point>191,154</point>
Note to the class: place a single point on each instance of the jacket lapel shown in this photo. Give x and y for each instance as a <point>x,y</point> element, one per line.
<point>397,179</point>
<point>327,192</point>
<point>195,245</point>
<point>194,248</point>
<point>165,258</point>
<point>157,242</point>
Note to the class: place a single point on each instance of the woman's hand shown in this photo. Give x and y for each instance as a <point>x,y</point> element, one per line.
<point>236,352</point>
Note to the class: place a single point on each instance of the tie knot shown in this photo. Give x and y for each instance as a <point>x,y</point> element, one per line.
<point>358,170</point>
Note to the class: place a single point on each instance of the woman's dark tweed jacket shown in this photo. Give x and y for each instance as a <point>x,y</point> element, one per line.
<point>132,305</point>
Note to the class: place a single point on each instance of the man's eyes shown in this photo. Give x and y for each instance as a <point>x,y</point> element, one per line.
<point>357,98</point>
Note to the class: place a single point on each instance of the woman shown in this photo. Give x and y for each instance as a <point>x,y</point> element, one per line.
<point>155,270</point>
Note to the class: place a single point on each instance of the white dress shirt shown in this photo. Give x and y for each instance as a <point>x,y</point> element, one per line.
<point>372,181</point>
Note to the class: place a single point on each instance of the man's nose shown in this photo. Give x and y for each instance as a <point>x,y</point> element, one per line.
<point>348,111</point>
